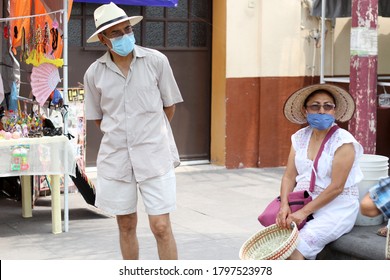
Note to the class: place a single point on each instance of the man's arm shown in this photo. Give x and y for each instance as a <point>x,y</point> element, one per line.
<point>170,111</point>
<point>97,122</point>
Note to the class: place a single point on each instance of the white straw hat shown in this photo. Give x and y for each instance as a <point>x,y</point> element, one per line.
<point>108,15</point>
<point>345,105</point>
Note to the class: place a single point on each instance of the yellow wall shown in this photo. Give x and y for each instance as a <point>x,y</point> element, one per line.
<point>218,87</point>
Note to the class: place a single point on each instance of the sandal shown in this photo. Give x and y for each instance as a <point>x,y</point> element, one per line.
<point>382,231</point>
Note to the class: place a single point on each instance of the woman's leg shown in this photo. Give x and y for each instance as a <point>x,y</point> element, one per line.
<point>296,255</point>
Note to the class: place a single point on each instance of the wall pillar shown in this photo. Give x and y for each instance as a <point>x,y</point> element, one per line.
<point>363,72</point>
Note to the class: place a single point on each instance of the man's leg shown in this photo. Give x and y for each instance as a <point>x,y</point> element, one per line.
<point>162,230</point>
<point>368,207</point>
<point>127,225</point>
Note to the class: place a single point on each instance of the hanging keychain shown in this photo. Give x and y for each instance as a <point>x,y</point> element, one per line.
<point>54,36</point>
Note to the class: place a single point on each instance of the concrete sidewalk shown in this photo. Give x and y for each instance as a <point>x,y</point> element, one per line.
<point>216,213</point>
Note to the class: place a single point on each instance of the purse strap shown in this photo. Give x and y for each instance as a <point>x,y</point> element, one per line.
<point>315,164</point>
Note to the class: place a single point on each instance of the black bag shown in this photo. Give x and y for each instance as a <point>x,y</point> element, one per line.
<point>85,186</point>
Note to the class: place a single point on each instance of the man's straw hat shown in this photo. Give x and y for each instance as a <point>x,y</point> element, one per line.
<point>345,105</point>
<point>108,15</point>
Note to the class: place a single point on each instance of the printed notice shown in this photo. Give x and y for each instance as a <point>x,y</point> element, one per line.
<point>364,41</point>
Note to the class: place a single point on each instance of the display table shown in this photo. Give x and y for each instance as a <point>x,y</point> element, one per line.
<point>52,156</point>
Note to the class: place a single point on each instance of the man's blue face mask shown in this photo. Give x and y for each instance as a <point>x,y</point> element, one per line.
<point>123,45</point>
<point>320,121</point>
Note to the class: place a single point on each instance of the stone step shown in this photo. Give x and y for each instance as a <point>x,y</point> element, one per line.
<point>362,243</point>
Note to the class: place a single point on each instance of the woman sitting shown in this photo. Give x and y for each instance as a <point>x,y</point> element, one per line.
<point>335,203</point>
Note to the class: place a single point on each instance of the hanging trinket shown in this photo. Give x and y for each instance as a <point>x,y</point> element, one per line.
<point>16,32</point>
<point>46,35</point>
<point>38,39</point>
<point>23,46</point>
<point>6,32</point>
<point>54,40</point>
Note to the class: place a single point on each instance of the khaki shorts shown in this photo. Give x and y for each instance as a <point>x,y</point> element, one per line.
<point>120,198</point>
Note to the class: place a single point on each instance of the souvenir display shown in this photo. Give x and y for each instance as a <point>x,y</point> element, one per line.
<point>21,125</point>
<point>19,160</point>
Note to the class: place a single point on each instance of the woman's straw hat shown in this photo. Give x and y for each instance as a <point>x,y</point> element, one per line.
<point>345,105</point>
<point>108,15</point>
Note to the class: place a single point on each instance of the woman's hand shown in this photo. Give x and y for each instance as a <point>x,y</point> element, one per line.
<point>297,217</point>
<point>281,218</point>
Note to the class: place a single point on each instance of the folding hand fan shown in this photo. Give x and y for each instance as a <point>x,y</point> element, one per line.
<point>44,79</point>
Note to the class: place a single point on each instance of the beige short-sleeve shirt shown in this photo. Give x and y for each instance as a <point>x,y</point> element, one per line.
<point>137,134</point>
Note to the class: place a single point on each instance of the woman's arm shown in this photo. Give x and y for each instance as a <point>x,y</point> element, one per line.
<point>287,185</point>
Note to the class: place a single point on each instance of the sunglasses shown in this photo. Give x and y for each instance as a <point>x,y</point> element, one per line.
<point>118,33</point>
<point>317,107</point>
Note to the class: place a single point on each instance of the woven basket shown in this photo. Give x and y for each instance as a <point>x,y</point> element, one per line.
<point>270,243</point>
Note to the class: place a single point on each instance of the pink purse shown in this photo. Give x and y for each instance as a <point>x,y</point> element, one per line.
<point>296,200</point>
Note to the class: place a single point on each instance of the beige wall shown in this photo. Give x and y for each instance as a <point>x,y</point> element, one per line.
<point>265,39</point>
<point>262,51</point>
<point>272,38</point>
<point>243,48</point>
<point>342,43</point>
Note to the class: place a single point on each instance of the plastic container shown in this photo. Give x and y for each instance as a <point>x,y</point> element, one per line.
<point>384,100</point>
<point>374,167</point>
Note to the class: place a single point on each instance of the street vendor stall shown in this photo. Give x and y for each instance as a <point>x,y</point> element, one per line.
<point>36,34</point>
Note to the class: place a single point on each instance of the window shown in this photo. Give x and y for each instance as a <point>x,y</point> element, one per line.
<point>183,27</point>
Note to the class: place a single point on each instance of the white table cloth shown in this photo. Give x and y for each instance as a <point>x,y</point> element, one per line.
<point>52,156</point>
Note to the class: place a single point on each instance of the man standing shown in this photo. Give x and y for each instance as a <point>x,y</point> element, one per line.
<point>131,94</point>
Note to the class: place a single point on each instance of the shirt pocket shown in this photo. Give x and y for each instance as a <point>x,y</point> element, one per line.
<point>148,99</point>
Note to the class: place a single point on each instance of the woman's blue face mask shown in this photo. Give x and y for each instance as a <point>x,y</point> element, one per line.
<point>320,121</point>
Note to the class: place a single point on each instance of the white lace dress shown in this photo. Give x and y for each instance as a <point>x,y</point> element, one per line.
<point>338,216</point>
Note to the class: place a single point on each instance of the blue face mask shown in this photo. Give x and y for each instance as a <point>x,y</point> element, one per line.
<point>320,121</point>
<point>123,45</point>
